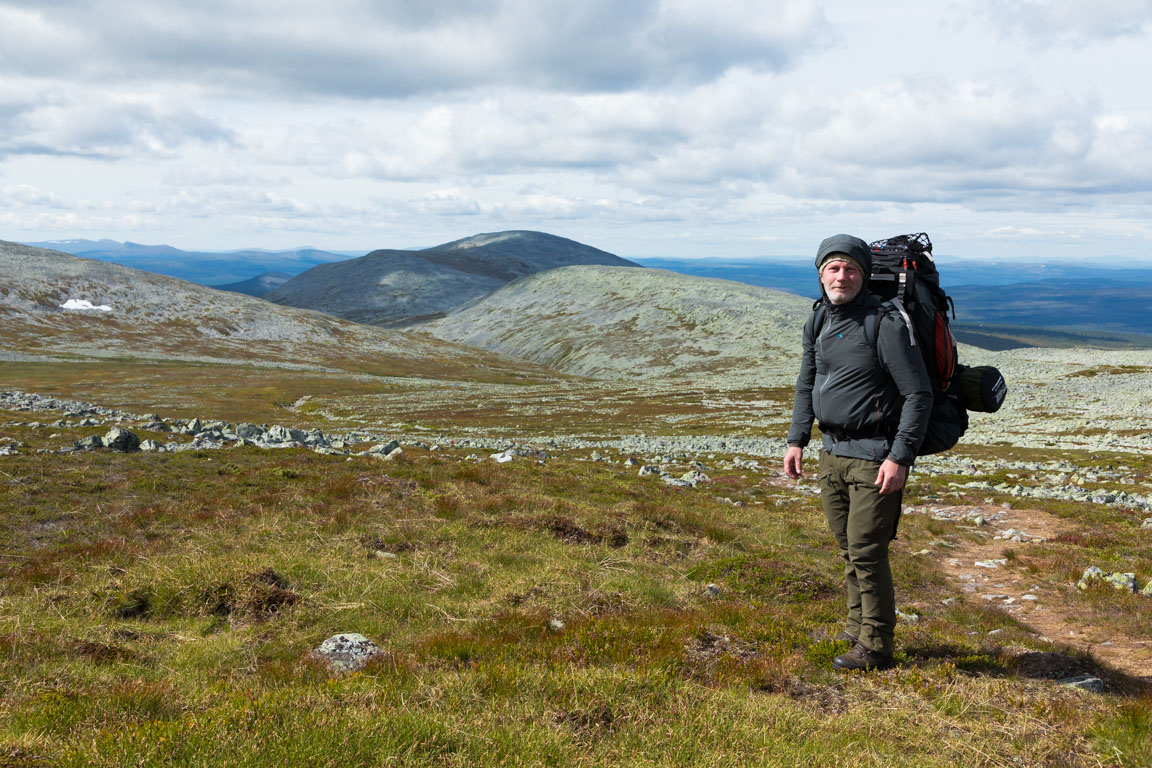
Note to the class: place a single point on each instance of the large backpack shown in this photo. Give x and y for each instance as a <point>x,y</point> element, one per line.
<point>904,279</point>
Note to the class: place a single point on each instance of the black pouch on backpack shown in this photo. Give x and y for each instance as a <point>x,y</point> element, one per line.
<point>982,388</point>
<point>947,425</point>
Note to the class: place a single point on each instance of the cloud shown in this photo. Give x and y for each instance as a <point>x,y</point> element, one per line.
<point>99,124</point>
<point>1070,22</point>
<point>395,49</point>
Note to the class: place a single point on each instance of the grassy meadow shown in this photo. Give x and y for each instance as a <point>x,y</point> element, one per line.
<point>159,609</point>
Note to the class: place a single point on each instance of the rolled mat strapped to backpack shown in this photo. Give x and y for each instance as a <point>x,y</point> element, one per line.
<point>982,388</point>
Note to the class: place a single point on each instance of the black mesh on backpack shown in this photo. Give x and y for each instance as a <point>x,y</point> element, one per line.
<point>904,272</point>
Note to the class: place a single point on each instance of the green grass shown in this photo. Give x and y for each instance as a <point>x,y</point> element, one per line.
<point>159,609</point>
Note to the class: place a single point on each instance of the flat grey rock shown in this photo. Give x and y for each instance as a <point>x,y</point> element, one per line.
<point>347,651</point>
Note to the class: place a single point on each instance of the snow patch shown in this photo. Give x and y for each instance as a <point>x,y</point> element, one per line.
<point>85,304</point>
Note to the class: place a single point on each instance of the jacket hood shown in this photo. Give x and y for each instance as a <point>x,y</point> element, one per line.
<point>853,246</point>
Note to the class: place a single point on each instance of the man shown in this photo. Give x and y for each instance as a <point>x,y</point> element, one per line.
<point>866,383</point>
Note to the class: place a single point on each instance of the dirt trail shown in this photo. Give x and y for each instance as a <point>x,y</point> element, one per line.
<point>1043,607</point>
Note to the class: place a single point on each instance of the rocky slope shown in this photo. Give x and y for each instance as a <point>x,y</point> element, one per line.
<point>610,322</point>
<point>395,288</point>
<point>141,314</point>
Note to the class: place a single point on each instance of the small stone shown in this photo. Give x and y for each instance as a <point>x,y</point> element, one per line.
<point>948,601</point>
<point>910,617</point>
<point>555,625</point>
<point>1147,524</point>
<point>993,563</point>
<point>713,590</point>
<point>347,652</point>
<point>1083,682</point>
<point>503,457</point>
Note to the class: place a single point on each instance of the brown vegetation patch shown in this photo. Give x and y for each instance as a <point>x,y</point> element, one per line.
<point>392,547</point>
<point>1046,665</point>
<point>135,605</point>
<point>15,757</point>
<point>101,652</point>
<point>259,595</point>
<point>824,698</point>
<point>707,644</point>
<point>566,529</point>
<point>588,722</point>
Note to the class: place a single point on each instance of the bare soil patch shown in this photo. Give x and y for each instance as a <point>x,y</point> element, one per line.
<point>1042,607</point>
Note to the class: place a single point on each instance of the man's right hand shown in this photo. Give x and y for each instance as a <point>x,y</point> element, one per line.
<point>794,462</point>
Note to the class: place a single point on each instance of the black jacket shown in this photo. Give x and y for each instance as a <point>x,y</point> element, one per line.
<point>872,403</point>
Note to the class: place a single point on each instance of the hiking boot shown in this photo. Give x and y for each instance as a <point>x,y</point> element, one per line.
<point>862,658</point>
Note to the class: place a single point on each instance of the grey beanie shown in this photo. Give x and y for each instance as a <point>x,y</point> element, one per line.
<point>852,247</point>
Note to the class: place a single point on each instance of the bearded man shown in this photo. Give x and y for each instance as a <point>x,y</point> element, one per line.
<point>863,378</point>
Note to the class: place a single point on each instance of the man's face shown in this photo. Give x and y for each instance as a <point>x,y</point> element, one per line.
<point>842,280</point>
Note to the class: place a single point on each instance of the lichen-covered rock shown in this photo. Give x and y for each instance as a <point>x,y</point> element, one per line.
<point>1122,581</point>
<point>90,443</point>
<point>347,651</point>
<point>121,440</point>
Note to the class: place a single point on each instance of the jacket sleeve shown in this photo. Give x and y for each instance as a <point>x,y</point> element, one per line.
<point>802,416</point>
<point>905,364</point>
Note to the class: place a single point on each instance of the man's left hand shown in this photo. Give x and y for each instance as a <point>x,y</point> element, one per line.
<point>891,477</point>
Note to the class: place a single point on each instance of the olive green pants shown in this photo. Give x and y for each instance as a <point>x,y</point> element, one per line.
<point>863,522</point>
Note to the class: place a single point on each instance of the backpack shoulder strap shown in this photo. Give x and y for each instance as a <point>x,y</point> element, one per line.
<point>819,311</point>
<point>899,307</point>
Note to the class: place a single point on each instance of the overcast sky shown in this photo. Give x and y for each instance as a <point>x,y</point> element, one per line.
<point>680,128</point>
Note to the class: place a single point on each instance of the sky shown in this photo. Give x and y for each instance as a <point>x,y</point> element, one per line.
<point>724,129</point>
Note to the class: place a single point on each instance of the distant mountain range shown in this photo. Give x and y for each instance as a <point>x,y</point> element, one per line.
<point>1000,304</point>
<point>203,267</point>
<point>396,288</point>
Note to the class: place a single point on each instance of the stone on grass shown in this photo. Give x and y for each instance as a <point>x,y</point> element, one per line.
<point>1147,524</point>
<point>502,457</point>
<point>246,431</point>
<point>648,470</point>
<point>1084,682</point>
<point>90,443</point>
<point>383,449</point>
<point>121,440</point>
<point>694,476</point>
<point>1125,582</point>
<point>151,446</point>
<point>347,652</point>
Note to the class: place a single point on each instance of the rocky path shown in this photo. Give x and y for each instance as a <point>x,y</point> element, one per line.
<point>980,572</point>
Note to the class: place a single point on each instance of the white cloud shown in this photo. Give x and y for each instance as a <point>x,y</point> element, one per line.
<point>360,50</point>
<point>98,123</point>
<point>1071,22</point>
